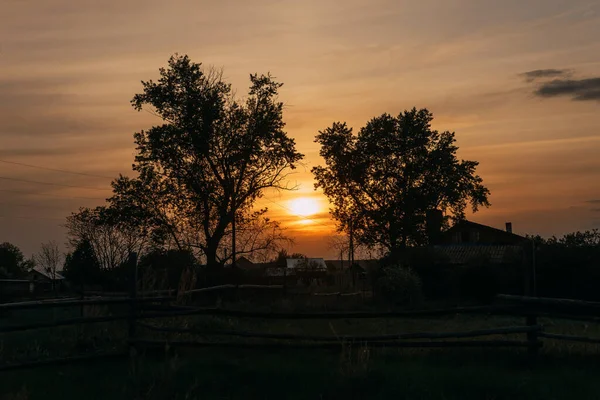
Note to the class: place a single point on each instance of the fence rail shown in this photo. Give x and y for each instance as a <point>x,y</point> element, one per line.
<point>224,287</point>
<point>186,311</point>
<point>65,360</point>
<point>529,307</point>
<point>84,302</point>
<point>159,344</point>
<point>126,294</point>
<point>346,338</point>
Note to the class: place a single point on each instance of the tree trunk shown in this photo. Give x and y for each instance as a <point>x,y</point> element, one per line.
<point>213,268</point>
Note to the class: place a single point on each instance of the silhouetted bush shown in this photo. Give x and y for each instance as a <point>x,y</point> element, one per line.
<point>400,286</point>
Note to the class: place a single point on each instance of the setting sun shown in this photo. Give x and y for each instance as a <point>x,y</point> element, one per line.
<point>304,206</point>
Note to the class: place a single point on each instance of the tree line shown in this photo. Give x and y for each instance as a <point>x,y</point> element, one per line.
<point>198,173</point>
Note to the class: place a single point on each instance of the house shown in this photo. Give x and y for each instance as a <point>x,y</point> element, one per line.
<point>295,266</point>
<point>351,277</point>
<point>471,233</point>
<point>39,274</point>
<point>44,280</point>
<point>247,265</point>
<point>468,242</point>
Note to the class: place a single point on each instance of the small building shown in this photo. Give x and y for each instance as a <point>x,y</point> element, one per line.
<point>44,280</point>
<point>347,276</point>
<point>41,275</point>
<point>295,266</point>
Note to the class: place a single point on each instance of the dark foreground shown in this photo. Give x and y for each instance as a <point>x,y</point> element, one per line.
<point>357,374</point>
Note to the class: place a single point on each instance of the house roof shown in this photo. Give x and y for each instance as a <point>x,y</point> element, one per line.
<point>311,263</point>
<point>243,263</point>
<point>466,223</point>
<point>337,265</point>
<point>46,274</point>
<point>462,254</point>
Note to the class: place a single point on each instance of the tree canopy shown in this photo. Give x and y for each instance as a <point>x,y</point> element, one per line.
<point>207,163</point>
<point>110,238</point>
<point>12,261</point>
<point>82,266</point>
<point>383,181</point>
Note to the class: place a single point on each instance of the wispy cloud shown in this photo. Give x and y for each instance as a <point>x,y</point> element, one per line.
<point>531,76</point>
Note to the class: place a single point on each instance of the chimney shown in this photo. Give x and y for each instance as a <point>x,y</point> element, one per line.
<point>509,227</point>
<point>434,220</point>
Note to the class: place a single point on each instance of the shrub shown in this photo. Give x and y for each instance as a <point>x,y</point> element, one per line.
<point>479,282</point>
<point>400,286</point>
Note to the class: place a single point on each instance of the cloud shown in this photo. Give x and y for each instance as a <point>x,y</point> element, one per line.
<point>531,76</point>
<point>44,107</point>
<point>577,89</point>
<point>593,201</point>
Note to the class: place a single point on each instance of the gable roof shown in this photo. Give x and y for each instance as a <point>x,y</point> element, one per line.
<point>244,263</point>
<point>46,274</point>
<point>336,265</point>
<point>460,225</point>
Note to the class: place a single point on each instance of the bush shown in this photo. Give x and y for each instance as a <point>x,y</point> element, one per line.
<point>400,286</point>
<point>479,282</point>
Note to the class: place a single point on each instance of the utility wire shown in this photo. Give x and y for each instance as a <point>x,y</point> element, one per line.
<point>55,169</point>
<point>33,218</point>
<point>51,184</point>
<point>30,205</point>
<point>52,195</point>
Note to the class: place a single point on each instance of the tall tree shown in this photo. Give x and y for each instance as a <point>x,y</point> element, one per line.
<point>50,259</point>
<point>111,239</point>
<point>207,163</point>
<point>12,261</point>
<point>383,181</point>
<point>82,266</point>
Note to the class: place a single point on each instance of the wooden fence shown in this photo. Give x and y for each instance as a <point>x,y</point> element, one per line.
<point>149,307</point>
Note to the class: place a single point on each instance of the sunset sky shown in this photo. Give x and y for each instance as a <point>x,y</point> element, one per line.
<point>69,68</point>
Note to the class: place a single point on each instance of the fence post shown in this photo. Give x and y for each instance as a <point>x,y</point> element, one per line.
<point>285,282</point>
<point>133,297</point>
<point>532,337</point>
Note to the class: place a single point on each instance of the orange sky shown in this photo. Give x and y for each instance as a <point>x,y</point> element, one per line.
<point>70,68</point>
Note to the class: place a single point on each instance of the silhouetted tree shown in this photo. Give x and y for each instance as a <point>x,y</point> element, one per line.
<point>568,266</point>
<point>111,239</point>
<point>12,262</point>
<point>383,181</point>
<point>167,266</point>
<point>50,259</point>
<point>82,266</point>
<point>209,161</point>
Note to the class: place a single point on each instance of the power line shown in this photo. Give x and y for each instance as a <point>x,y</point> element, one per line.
<point>34,218</point>
<point>52,195</point>
<point>55,169</point>
<point>51,184</point>
<point>31,206</point>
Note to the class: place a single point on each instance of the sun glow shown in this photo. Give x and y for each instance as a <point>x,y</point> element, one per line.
<point>304,206</point>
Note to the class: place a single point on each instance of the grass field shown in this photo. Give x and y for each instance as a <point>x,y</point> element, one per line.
<point>564,370</point>
<point>301,375</point>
